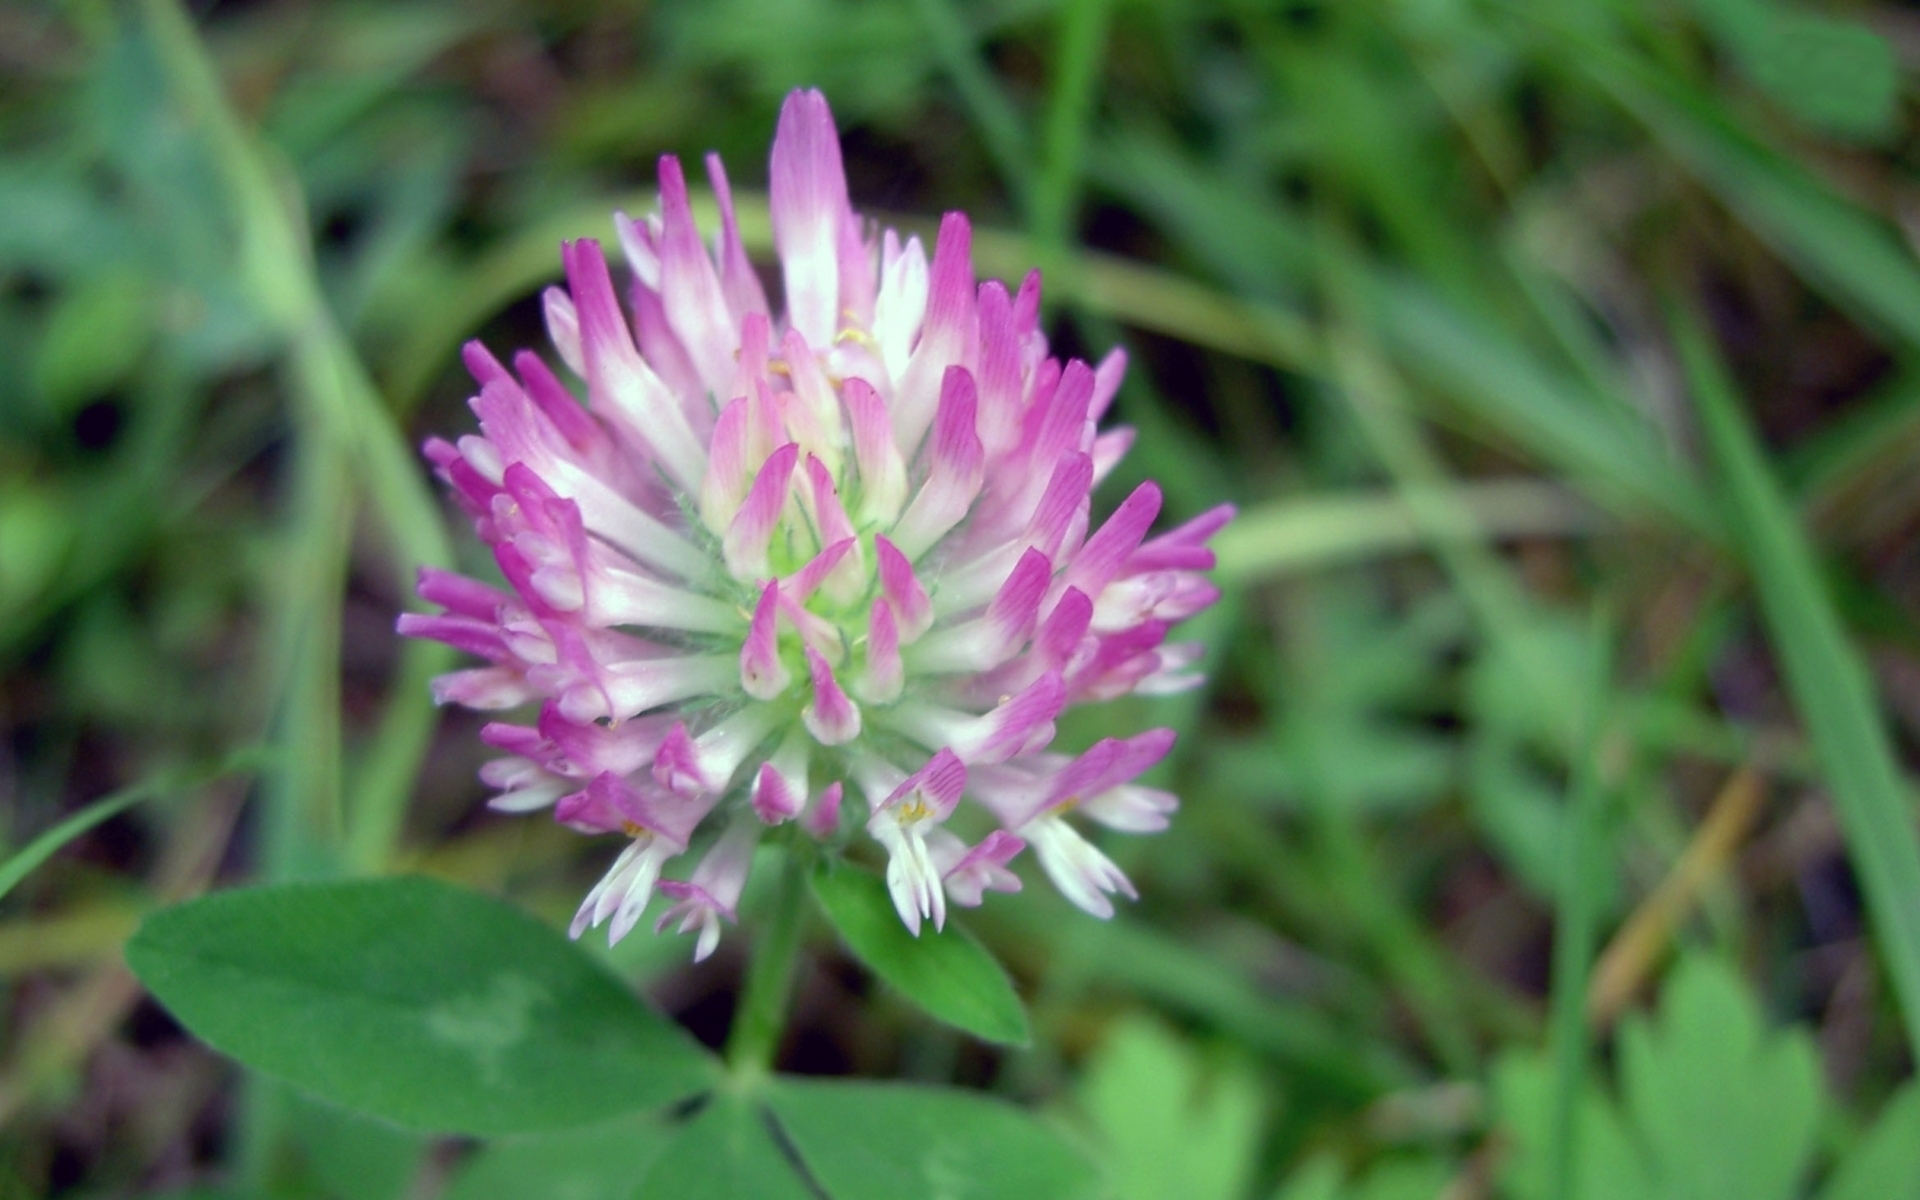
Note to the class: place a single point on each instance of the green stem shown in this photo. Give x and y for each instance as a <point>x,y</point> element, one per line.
<point>1583,862</point>
<point>762,1017</point>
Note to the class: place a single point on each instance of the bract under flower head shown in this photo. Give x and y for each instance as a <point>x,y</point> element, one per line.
<point>774,557</point>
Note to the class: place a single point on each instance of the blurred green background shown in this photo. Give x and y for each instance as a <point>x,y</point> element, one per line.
<point>1548,825</point>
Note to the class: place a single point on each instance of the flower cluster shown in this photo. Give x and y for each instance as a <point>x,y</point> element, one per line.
<point>771,559</point>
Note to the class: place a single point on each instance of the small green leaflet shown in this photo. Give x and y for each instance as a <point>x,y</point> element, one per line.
<point>729,1150</point>
<point>1713,1105</point>
<point>1173,1130</point>
<point>888,1141</point>
<point>431,1006</point>
<point>946,972</point>
<point>599,1162</point>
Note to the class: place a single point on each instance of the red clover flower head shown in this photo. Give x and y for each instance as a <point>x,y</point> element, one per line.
<point>776,558</point>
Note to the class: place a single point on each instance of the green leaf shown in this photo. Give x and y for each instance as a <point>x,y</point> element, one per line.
<point>727,1151</point>
<point>946,972</point>
<point>24,861</point>
<point>1170,1131</point>
<point>886,1141</point>
<point>596,1163</point>
<point>1319,1178</point>
<point>1724,1110</point>
<point>1850,254</point>
<point>1829,683</point>
<point>413,1000</point>
<point>1885,1165</point>
<point>354,1157</point>
<point>95,338</point>
<point>1606,1164</point>
<point>1713,1106</point>
<point>1835,75</point>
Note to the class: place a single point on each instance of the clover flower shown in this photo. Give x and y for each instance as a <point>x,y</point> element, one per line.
<point>775,559</point>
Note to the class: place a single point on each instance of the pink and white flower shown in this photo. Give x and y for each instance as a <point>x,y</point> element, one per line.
<point>774,557</point>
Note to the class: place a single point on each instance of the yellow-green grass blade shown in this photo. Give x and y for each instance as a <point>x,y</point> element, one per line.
<point>1829,684</point>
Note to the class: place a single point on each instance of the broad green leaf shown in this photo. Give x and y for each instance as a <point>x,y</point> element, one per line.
<point>1606,1164</point>
<point>1725,1110</point>
<point>354,1157</point>
<point>1836,75</point>
<point>1830,685</point>
<point>1319,1178</point>
<point>600,1162</point>
<point>727,1151</point>
<point>1171,1129</point>
<point>1885,1164</point>
<point>409,999</point>
<point>946,972</point>
<point>887,1141</point>
<point>1713,1106</point>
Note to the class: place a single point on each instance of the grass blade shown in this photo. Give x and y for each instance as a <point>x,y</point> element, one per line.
<point>1585,856</point>
<point>1824,673</point>
<point>1851,255</point>
<point>28,858</point>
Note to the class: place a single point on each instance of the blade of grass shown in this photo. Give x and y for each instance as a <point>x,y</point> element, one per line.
<point>999,122</point>
<point>1416,968</point>
<point>1823,672</point>
<point>1583,862</point>
<point>1172,972</point>
<point>1641,941</point>
<point>1076,75</point>
<point>347,440</point>
<point>1851,255</point>
<point>28,858</point>
<point>1323,530</point>
<point>1499,384</point>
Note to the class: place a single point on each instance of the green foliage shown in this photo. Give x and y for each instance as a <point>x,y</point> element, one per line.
<point>598,1162</point>
<point>1885,1164</point>
<point>418,1002</point>
<point>1836,75</point>
<point>1169,1128</point>
<point>946,972</point>
<point>1712,1105</point>
<point>727,1149</point>
<point>1829,684</point>
<point>876,1141</point>
<point>237,263</point>
<point>1323,1179</point>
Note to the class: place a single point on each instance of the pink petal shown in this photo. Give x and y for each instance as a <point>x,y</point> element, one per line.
<point>624,389</point>
<point>902,590</point>
<point>830,716</point>
<point>751,533</point>
<point>946,335</point>
<point>774,798</point>
<point>808,201</point>
<point>762,675</point>
<point>956,467</point>
<point>883,474</point>
<point>1100,560</point>
<point>738,280</point>
<point>885,672</point>
<point>937,786</point>
<point>823,819</point>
